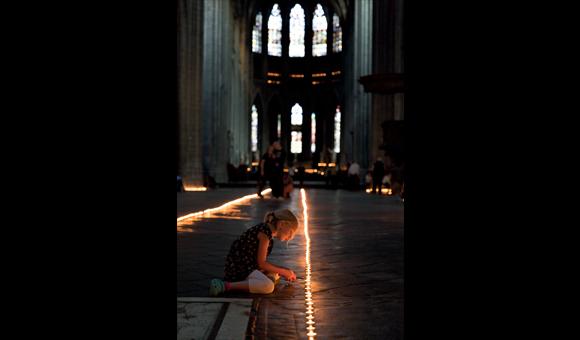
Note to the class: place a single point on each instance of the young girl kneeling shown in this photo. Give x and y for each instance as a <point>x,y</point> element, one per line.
<point>246,266</point>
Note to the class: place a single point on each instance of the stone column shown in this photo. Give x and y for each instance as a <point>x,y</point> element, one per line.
<point>387,58</point>
<point>226,101</point>
<point>382,104</point>
<point>190,17</point>
<point>240,100</point>
<point>398,60</point>
<point>216,92</point>
<point>356,114</point>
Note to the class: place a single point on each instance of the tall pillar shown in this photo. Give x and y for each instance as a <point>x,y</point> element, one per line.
<point>382,104</point>
<point>226,102</point>
<point>399,65</point>
<point>240,79</point>
<point>190,18</point>
<point>215,92</point>
<point>387,58</point>
<point>356,114</point>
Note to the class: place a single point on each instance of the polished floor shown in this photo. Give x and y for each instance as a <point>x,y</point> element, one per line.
<point>356,261</point>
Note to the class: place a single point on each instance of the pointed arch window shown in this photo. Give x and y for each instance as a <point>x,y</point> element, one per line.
<point>296,48</point>
<point>337,130</point>
<point>296,133</point>
<point>257,34</point>
<point>296,143</point>
<point>336,34</point>
<point>279,126</point>
<point>254,128</point>
<point>296,117</point>
<point>313,133</point>
<point>275,32</point>
<point>319,27</point>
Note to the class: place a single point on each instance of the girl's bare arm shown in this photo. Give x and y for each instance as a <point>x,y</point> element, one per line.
<point>267,266</point>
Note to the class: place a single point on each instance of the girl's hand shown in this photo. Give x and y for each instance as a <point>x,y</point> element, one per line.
<point>290,276</point>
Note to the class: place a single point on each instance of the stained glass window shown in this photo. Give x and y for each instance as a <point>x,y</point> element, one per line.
<point>257,34</point>
<point>296,143</point>
<point>319,26</point>
<point>337,130</point>
<point>313,133</point>
<point>275,32</point>
<point>296,118</point>
<point>336,34</point>
<point>296,134</point>
<point>254,128</point>
<point>296,48</point>
<point>279,126</point>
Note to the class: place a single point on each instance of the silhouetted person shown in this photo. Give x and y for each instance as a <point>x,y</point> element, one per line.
<point>354,176</point>
<point>232,172</point>
<point>265,169</point>
<point>301,173</point>
<point>397,179</point>
<point>288,183</point>
<point>378,174</point>
<point>276,177</point>
<point>368,180</point>
<point>180,184</point>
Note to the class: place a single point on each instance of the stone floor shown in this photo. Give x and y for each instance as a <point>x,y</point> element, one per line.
<point>212,318</point>
<point>356,258</point>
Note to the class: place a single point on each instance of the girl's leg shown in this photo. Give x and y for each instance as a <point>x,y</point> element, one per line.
<point>218,286</point>
<point>259,283</point>
<point>240,285</point>
<point>258,280</point>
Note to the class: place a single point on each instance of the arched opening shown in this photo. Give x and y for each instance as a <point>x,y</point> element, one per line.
<point>256,116</point>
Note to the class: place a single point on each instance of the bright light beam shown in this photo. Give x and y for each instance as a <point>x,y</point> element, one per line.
<point>223,206</point>
<point>194,188</point>
<point>308,289</point>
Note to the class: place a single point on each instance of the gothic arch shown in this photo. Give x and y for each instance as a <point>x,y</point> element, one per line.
<point>258,102</point>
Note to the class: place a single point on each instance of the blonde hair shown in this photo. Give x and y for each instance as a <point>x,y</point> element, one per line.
<point>282,215</point>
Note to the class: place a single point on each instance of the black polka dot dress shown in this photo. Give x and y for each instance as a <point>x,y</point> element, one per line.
<point>242,258</point>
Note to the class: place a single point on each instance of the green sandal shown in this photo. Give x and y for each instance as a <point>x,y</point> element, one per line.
<point>216,287</point>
